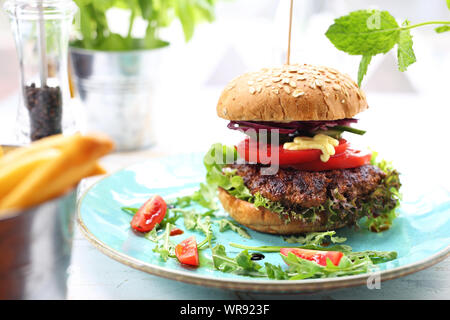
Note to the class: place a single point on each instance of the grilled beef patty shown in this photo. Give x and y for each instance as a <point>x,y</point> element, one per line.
<point>295,188</point>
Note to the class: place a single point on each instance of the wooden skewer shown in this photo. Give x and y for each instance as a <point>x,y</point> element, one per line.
<point>289,37</point>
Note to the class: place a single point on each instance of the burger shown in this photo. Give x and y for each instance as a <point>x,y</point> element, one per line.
<point>295,170</point>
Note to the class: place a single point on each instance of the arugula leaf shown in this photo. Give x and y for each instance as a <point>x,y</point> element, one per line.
<point>225,224</point>
<point>130,210</point>
<point>241,264</point>
<point>316,238</point>
<point>374,256</point>
<point>303,269</point>
<point>405,52</point>
<point>275,272</point>
<point>165,250</point>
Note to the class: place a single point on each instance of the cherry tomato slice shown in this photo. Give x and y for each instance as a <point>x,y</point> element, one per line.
<point>251,151</point>
<point>319,257</point>
<point>151,213</point>
<point>349,159</point>
<point>187,252</point>
<point>175,231</point>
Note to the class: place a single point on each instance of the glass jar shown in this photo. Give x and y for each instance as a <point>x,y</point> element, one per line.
<point>41,31</point>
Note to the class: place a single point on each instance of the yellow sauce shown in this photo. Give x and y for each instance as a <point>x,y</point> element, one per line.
<point>320,141</point>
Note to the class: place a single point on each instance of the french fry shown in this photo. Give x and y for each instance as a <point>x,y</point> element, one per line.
<point>97,170</point>
<point>56,141</point>
<point>14,172</point>
<point>1,152</point>
<point>77,160</point>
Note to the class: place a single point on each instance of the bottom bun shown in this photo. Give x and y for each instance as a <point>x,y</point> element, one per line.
<point>264,220</point>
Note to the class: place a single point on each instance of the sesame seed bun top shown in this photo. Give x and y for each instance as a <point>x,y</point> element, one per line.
<point>291,93</point>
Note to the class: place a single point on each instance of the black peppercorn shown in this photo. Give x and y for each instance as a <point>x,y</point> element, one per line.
<point>45,109</point>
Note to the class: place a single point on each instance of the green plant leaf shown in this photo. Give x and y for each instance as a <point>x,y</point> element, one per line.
<point>316,238</point>
<point>225,224</point>
<point>95,33</point>
<point>405,52</point>
<point>241,264</point>
<point>442,29</point>
<point>364,32</point>
<point>146,9</point>
<point>275,272</point>
<point>448,4</point>
<point>363,65</point>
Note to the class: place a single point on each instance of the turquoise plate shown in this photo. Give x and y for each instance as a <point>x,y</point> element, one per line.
<point>420,235</point>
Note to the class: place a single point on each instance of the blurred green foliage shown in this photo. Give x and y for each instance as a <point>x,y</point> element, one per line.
<point>95,34</point>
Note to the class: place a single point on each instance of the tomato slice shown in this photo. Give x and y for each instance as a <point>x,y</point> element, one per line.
<point>252,151</point>
<point>151,213</point>
<point>187,252</point>
<point>175,231</point>
<point>348,159</point>
<point>319,257</point>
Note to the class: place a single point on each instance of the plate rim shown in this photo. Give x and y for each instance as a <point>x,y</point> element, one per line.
<point>262,286</point>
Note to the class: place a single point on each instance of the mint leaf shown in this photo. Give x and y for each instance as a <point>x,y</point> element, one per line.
<point>362,70</point>
<point>442,29</point>
<point>405,53</point>
<point>364,32</point>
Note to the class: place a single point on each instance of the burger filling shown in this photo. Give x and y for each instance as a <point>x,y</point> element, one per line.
<point>326,197</point>
<point>319,178</point>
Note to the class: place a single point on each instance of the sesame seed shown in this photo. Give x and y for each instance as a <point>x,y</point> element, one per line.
<point>287,90</point>
<point>293,84</point>
<point>336,87</point>
<point>252,90</point>
<point>286,80</point>
<point>258,89</point>
<point>250,82</point>
<point>297,93</point>
<point>276,79</point>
